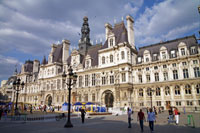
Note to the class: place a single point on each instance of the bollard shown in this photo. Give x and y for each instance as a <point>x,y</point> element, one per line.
<point>190,117</point>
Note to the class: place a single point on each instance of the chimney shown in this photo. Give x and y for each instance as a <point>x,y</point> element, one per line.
<point>130,30</point>
<point>65,54</point>
<point>36,65</point>
<point>108,29</point>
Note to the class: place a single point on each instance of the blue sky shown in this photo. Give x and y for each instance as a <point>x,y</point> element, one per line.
<point>29,27</point>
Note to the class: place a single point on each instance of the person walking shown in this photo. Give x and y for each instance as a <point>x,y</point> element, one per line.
<point>141,118</point>
<point>170,115</point>
<point>129,112</point>
<point>31,109</point>
<point>1,112</point>
<point>151,119</point>
<point>176,113</point>
<point>184,110</point>
<point>83,115</point>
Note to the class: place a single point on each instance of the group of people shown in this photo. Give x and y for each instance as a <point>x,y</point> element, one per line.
<point>174,113</point>
<point>141,118</point>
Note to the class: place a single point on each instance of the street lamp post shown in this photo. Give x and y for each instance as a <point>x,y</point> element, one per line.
<point>71,81</point>
<point>18,86</point>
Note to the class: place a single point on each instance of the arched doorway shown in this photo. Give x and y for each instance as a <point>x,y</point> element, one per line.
<point>108,98</point>
<point>48,100</point>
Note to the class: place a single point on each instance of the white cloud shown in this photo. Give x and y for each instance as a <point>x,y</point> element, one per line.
<point>170,19</point>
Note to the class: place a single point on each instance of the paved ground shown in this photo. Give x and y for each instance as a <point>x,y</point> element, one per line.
<point>101,124</point>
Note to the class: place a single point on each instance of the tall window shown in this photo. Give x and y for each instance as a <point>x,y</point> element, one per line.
<point>167,90</point>
<point>140,78</point>
<point>86,80</point>
<point>184,63</point>
<point>103,60</point>
<point>149,93</point>
<point>111,58</point>
<point>165,74</point>
<point>196,72</point>
<point>187,89</point>
<point>158,91</point>
<point>173,54</point>
<point>195,62</point>
<point>198,88</point>
<point>155,56</point>
<point>147,59</point>
<point>185,73</point>
<point>123,77</point>
<point>156,77</point>
<point>163,55</point>
<point>148,78</point>
<point>103,80</point>
<point>193,50</point>
<point>141,92</point>
<point>80,81</point>
<point>111,42</point>
<point>182,51</point>
<point>122,55</point>
<point>177,90</point>
<point>93,79</point>
<point>175,74</point>
<point>93,97</point>
<point>111,79</point>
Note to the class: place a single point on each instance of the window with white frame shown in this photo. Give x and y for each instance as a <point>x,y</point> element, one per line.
<point>158,103</point>
<point>189,103</point>
<point>173,53</point>
<point>86,80</point>
<point>164,66</point>
<point>195,62</point>
<point>177,90</point>
<point>111,58</point>
<point>158,91</point>
<point>184,63</point>
<point>139,59</point>
<point>182,51</point>
<point>167,91</point>
<point>178,103</point>
<point>123,77</point>
<point>175,74</point>
<point>149,92</point>
<point>93,97</point>
<point>148,78</point>
<point>156,76</point>
<point>174,64</point>
<point>103,80</point>
<point>147,59</point>
<point>187,89</point>
<point>103,60</point>
<point>93,79</point>
<point>165,75</point>
<point>147,68</point>
<point>155,56</point>
<point>193,50</point>
<point>185,73</point>
<point>111,42</point>
<point>112,79</point>
<point>141,92</point>
<point>196,72</point>
<point>122,55</point>
<point>140,78</point>
<point>164,55</point>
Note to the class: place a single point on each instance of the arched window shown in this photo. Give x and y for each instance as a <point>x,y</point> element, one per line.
<point>141,92</point>
<point>187,89</point>
<point>198,88</point>
<point>158,91</point>
<point>103,60</point>
<point>177,90</point>
<point>149,93</point>
<point>111,58</point>
<point>167,90</point>
<point>122,55</point>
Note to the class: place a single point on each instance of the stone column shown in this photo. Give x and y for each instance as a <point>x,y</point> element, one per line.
<point>182,94</point>
<point>172,95</point>
<point>162,92</point>
<point>145,97</point>
<point>193,91</point>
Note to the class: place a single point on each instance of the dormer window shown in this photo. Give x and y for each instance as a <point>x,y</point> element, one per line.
<point>122,55</point>
<point>183,51</point>
<point>163,55</point>
<point>147,59</point>
<point>155,56</point>
<point>173,54</point>
<point>111,42</point>
<point>139,59</point>
<point>193,50</point>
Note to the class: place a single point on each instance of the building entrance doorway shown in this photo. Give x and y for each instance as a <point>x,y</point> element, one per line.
<point>48,100</point>
<point>108,98</point>
<point>168,105</point>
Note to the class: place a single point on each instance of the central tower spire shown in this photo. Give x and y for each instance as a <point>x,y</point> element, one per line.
<point>84,42</point>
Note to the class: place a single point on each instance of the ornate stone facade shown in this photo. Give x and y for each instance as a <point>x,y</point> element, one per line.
<point>116,74</point>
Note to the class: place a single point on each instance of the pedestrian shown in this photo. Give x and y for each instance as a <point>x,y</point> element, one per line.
<point>83,115</point>
<point>184,110</point>
<point>176,113</point>
<point>1,112</point>
<point>170,118</point>
<point>129,112</point>
<point>147,110</point>
<point>141,118</point>
<point>151,119</point>
<point>31,109</point>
